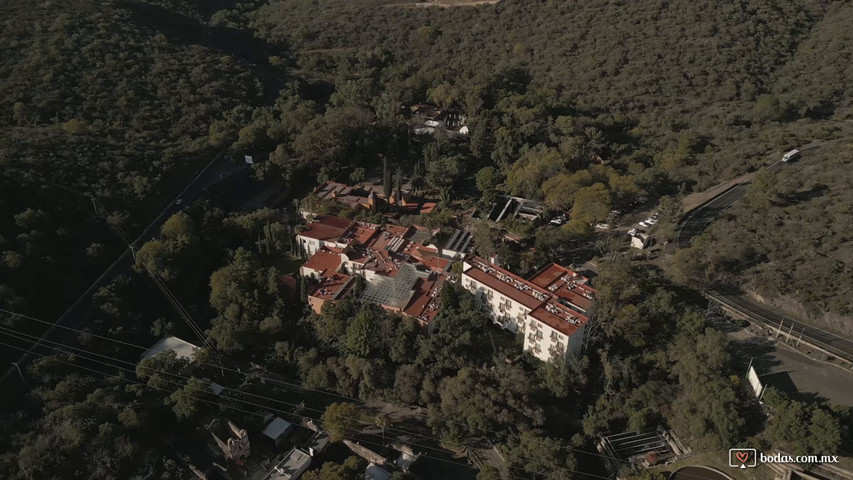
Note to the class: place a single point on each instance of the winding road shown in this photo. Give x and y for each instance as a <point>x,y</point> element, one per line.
<point>698,220</point>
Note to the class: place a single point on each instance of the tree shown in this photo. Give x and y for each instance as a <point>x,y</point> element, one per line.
<point>158,371</point>
<point>562,379</point>
<point>342,420</point>
<point>646,474</point>
<point>496,399</point>
<point>398,185</point>
<point>536,452</point>
<point>351,469</point>
<point>592,204</point>
<point>444,95</point>
<point>535,166</point>
<point>244,293</point>
<point>386,178</point>
<point>825,432</point>
<point>361,334</point>
<point>407,383</point>
<point>187,400</point>
<point>559,191</point>
<point>767,109</point>
<point>762,191</point>
<point>357,175</point>
<point>487,180</point>
<point>444,172</point>
<point>669,214</point>
<point>488,472</point>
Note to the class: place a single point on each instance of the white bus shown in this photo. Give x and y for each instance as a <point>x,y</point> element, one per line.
<point>791,155</point>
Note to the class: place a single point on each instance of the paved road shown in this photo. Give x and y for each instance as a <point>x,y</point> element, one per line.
<point>216,170</point>
<point>840,346</point>
<point>699,219</point>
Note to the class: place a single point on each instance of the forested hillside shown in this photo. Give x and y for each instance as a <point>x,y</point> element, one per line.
<point>789,239</point>
<point>723,74</point>
<point>586,106</point>
<point>104,99</point>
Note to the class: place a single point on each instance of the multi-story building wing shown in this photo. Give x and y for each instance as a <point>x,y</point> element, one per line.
<point>324,231</point>
<point>551,309</point>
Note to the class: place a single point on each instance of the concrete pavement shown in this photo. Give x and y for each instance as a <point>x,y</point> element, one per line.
<point>832,343</point>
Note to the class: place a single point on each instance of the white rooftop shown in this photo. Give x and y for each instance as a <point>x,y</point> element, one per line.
<point>276,428</point>
<point>182,348</point>
<point>291,466</point>
<point>375,472</point>
<point>405,461</point>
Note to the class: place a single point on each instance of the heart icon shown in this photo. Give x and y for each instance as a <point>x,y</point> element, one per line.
<point>742,456</point>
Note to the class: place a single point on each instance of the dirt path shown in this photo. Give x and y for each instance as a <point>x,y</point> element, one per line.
<point>446,3</point>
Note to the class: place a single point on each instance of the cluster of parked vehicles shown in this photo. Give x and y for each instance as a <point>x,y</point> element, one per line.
<point>647,223</point>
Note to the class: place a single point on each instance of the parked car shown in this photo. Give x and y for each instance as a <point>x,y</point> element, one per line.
<point>644,224</point>
<point>633,232</point>
<point>603,226</point>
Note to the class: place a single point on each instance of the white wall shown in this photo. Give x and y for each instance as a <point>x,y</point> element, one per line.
<point>546,338</point>
<point>504,311</point>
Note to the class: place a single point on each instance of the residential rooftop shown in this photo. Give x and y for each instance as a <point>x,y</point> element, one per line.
<point>327,228</point>
<point>333,287</point>
<point>324,261</point>
<point>181,348</point>
<point>557,296</point>
<point>291,466</point>
<point>506,283</point>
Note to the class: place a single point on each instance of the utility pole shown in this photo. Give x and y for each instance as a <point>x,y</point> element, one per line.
<point>789,332</point>
<point>18,367</point>
<point>801,336</point>
<point>750,364</point>
<point>778,330</point>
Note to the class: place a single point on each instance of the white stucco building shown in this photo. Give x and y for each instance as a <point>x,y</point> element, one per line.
<point>550,309</point>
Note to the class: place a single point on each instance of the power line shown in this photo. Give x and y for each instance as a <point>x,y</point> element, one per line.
<point>284,412</point>
<point>17,335</point>
<point>344,397</point>
<point>259,406</point>
<point>181,384</point>
<point>129,380</point>
<point>392,429</point>
<point>173,300</point>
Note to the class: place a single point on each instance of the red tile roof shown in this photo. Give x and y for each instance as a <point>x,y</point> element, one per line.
<point>556,295</point>
<point>332,287</point>
<point>566,284</point>
<point>557,321</point>
<point>507,288</point>
<point>424,302</point>
<point>327,227</point>
<point>365,233</point>
<point>324,261</point>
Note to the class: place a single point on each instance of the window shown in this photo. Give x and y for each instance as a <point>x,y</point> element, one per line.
<point>554,336</point>
<point>490,294</point>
